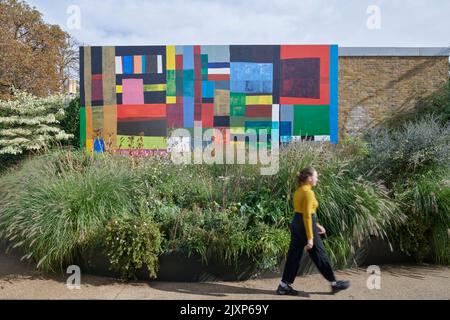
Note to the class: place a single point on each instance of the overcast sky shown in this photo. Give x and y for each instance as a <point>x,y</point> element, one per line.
<point>149,22</point>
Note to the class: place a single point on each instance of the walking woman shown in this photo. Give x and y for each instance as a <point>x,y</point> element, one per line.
<point>306,232</point>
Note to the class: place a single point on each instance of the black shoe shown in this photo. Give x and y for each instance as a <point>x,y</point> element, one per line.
<point>340,285</point>
<point>289,291</point>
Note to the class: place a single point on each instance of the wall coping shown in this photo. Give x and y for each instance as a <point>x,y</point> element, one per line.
<point>387,51</point>
<point>394,51</point>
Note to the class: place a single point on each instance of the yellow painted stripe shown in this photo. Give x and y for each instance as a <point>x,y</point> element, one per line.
<point>237,130</point>
<point>155,87</point>
<point>170,57</point>
<point>89,145</point>
<point>147,88</point>
<point>171,100</point>
<point>148,142</point>
<point>256,100</point>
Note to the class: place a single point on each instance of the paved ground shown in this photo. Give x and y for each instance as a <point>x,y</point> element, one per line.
<point>19,280</point>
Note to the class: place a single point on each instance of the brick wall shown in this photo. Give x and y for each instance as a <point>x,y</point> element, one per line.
<point>372,88</point>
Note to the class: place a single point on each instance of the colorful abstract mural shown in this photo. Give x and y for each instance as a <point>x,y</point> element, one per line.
<point>148,91</point>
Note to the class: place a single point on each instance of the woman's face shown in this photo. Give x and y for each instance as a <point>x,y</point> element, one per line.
<point>314,179</point>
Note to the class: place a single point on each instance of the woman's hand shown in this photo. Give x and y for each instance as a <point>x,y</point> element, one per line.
<point>321,229</point>
<point>310,244</point>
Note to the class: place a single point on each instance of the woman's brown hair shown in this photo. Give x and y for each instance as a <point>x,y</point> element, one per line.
<point>303,175</point>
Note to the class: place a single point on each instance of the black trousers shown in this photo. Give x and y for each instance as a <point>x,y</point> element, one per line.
<point>317,253</point>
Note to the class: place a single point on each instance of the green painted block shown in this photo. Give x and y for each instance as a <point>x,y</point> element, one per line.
<point>237,121</point>
<point>237,99</point>
<point>171,87</point>
<point>148,142</point>
<point>237,111</point>
<point>188,75</point>
<point>311,120</point>
<point>171,74</point>
<point>204,58</point>
<point>188,88</point>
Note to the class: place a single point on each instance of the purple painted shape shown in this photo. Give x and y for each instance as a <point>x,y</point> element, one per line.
<point>97,89</point>
<point>300,78</point>
<point>133,91</point>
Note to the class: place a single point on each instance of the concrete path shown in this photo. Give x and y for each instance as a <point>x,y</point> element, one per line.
<point>18,280</point>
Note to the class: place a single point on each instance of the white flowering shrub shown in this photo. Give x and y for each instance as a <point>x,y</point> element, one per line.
<point>28,123</point>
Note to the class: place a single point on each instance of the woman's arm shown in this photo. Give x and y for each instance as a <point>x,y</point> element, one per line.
<point>307,214</point>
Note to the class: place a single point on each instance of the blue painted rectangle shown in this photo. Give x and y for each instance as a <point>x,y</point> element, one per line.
<point>251,71</point>
<point>334,94</point>
<point>218,65</point>
<point>223,85</point>
<point>144,64</point>
<point>188,112</point>
<point>127,64</point>
<point>188,57</point>
<point>251,86</point>
<point>285,128</point>
<point>208,89</point>
<point>258,124</point>
<point>286,113</point>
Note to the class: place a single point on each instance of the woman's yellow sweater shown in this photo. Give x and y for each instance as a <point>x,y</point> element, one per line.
<point>305,202</point>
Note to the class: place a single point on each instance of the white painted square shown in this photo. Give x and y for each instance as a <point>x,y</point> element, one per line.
<point>160,64</point>
<point>119,69</point>
<point>276,113</point>
<point>322,138</point>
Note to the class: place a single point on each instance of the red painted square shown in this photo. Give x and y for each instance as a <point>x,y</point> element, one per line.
<point>304,52</point>
<point>207,118</point>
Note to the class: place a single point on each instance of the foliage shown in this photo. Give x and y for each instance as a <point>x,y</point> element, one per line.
<point>29,124</point>
<point>425,200</point>
<point>225,237</point>
<point>70,123</point>
<point>59,203</point>
<point>133,242</point>
<point>35,57</point>
<point>412,149</point>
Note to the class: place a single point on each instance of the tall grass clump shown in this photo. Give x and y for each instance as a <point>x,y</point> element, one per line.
<point>426,202</point>
<point>415,147</point>
<point>413,161</point>
<point>58,203</point>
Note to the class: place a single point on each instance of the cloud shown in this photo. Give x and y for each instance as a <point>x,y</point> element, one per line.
<point>136,22</point>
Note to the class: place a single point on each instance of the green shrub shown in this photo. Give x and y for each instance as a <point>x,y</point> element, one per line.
<point>186,186</point>
<point>59,203</point>
<point>30,124</point>
<point>55,205</point>
<point>226,237</point>
<point>70,123</point>
<point>394,155</point>
<point>425,200</point>
<point>412,160</point>
<point>133,242</point>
